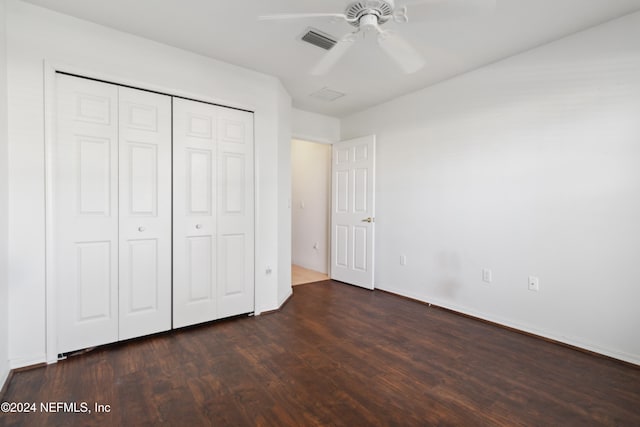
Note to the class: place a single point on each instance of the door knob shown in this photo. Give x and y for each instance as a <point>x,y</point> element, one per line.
<point>368,219</point>
<point>141,229</point>
<point>198,226</point>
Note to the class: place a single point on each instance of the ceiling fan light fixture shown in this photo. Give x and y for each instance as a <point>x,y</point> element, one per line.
<point>369,22</point>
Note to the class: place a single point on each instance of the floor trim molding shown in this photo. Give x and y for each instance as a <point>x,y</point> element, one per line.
<point>286,300</point>
<point>5,386</point>
<point>510,328</point>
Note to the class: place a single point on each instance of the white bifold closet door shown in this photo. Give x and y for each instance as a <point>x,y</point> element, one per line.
<point>111,170</point>
<point>213,212</point>
<point>145,213</point>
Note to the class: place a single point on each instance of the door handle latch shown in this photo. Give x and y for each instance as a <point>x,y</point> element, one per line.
<point>368,220</point>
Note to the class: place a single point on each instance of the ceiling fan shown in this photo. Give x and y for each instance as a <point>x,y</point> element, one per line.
<point>369,16</point>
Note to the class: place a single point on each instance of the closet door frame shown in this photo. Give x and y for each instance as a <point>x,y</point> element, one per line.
<point>50,69</point>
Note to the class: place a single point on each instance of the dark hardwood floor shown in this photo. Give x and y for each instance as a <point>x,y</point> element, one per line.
<point>335,355</point>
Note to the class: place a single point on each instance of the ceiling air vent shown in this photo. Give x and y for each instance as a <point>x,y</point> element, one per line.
<point>326,94</point>
<point>318,38</point>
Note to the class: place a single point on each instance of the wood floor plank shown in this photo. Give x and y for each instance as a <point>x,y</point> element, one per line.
<point>335,355</point>
<point>301,275</point>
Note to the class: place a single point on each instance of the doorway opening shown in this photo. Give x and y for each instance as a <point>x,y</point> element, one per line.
<point>310,213</point>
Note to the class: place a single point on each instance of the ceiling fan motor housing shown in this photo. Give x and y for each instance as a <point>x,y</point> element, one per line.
<point>369,13</point>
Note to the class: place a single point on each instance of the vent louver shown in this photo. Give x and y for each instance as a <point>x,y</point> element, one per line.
<point>318,38</point>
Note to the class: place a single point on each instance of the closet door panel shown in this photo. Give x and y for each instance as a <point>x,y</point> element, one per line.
<point>213,212</point>
<point>236,212</point>
<point>195,174</point>
<point>200,253</point>
<point>85,213</point>
<point>145,213</point>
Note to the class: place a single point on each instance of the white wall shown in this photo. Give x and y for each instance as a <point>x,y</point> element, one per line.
<point>4,307</point>
<point>529,166</point>
<point>311,176</point>
<point>314,127</point>
<point>284,199</point>
<point>35,35</point>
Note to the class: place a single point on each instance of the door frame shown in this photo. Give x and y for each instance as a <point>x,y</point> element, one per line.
<point>329,144</point>
<point>50,68</point>
<point>330,213</point>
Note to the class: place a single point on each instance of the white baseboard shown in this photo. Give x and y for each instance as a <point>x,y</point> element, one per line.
<point>285,298</point>
<point>4,377</point>
<point>625,357</point>
<point>26,362</point>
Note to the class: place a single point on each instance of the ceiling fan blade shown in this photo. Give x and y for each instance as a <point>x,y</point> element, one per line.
<point>334,55</point>
<point>301,16</point>
<point>401,52</point>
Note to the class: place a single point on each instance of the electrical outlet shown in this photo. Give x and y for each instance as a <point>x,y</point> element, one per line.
<point>534,283</point>
<point>487,275</point>
<point>403,260</point>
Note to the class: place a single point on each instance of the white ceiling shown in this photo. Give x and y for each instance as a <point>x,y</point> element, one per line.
<point>229,31</point>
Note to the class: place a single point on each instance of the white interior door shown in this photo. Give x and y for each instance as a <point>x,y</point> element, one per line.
<point>212,212</point>
<point>85,187</point>
<point>194,213</point>
<point>235,212</point>
<point>145,213</point>
<point>353,211</point>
